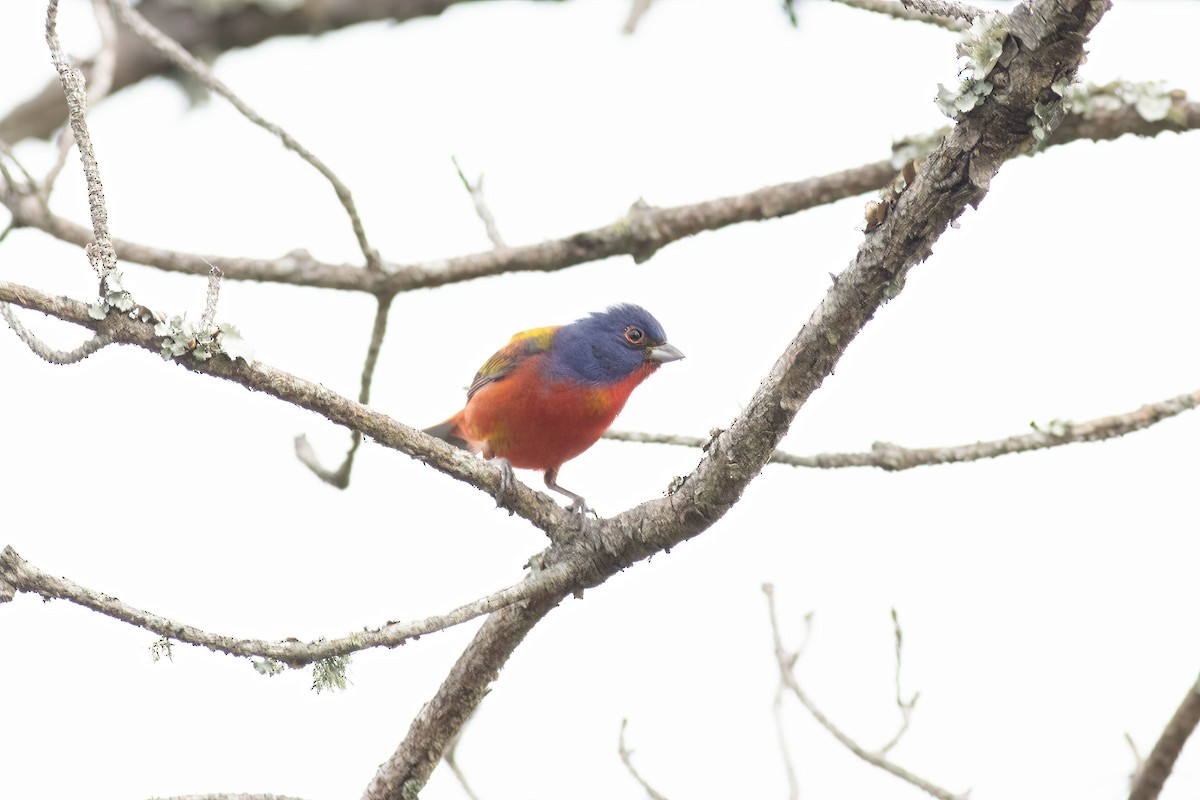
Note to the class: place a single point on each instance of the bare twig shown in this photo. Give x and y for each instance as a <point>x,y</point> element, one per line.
<point>1138,761</point>
<point>905,706</point>
<point>481,206</point>
<point>18,575</point>
<point>786,661</point>
<point>892,457</point>
<point>43,350</point>
<point>657,227</point>
<point>211,296</point>
<point>193,66</point>
<point>101,253</point>
<point>1150,779</point>
<point>785,751</point>
<point>636,11</point>
<point>900,10</point>
<point>627,759</point>
<point>340,477</point>
<point>98,87</point>
<point>451,759</point>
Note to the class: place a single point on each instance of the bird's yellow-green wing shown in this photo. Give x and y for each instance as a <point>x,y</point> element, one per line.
<point>506,359</point>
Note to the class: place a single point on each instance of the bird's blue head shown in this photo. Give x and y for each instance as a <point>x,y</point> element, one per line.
<point>608,346</point>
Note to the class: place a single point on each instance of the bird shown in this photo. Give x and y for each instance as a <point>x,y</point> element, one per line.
<point>550,393</point>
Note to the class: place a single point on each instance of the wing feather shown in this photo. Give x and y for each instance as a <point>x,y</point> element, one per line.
<point>520,348</point>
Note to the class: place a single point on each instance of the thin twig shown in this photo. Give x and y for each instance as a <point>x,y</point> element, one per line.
<point>627,760</point>
<point>340,477</point>
<point>98,87</point>
<point>785,751</point>
<point>906,706</point>
<point>211,296</point>
<point>187,62</point>
<point>18,575</point>
<point>636,10</point>
<point>481,206</point>
<point>900,10</point>
<point>1138,761</point>
<point>1157,768</point>
<point>451,759</point>
<point>785,662</point>
<point>45,351</point>
<point>893,458</point>
<point>101,253</point>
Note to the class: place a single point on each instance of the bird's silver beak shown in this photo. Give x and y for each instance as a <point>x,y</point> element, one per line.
<point>664,353</point>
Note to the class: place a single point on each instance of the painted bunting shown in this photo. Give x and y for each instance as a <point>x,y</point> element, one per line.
<point>549,394</point>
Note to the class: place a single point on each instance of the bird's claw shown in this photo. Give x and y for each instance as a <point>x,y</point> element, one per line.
<point>507,481</point>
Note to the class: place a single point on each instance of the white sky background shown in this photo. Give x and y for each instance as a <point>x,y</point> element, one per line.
<point>1049,600</point>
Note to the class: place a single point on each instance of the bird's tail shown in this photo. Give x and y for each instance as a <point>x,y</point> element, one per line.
<point>449,431</point>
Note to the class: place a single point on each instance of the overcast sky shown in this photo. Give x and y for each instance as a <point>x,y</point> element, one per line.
<point>1049,600</point>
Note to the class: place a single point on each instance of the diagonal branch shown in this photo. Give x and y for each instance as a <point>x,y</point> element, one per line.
<point>627,759</point>
<point>1153,774</point>
<point>893,457</point>
<point>958,174</point>
<point>405,772</point>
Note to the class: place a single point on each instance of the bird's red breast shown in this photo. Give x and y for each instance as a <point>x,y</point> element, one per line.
<point>539,423</point>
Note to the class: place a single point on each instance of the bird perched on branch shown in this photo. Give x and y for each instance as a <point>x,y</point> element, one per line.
<point>549,394</point>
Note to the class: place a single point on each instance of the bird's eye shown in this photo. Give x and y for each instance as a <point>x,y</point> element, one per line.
<point>634,334</point>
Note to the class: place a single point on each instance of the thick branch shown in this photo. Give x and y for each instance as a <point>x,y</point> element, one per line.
<point>405,773</point>
<point>893,457</point>
<point>239,26</point>
<point>1154,772</point>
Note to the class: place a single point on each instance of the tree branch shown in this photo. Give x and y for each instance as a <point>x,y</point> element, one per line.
<point>200,31</point>
<point>1157,768</point>
<point>627,760</point>
<point>18,575</point>
<point>340,477</point>
<point>405,773</point>
<point>893,457</point>
<point>642,233</point>
<point>786,661</point>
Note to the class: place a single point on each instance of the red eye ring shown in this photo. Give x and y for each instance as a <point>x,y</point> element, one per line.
<point>634,334</point>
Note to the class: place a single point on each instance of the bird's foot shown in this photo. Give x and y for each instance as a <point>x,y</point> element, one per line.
<point>507,480</point>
